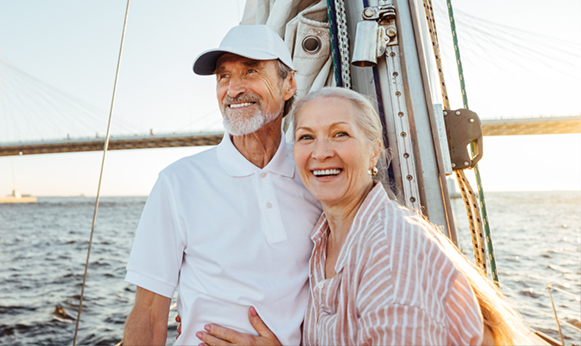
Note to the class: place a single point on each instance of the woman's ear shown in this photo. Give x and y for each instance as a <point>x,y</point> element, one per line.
<point>377,148</point>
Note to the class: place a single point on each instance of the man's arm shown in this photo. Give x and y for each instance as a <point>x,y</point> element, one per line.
<point>147,321</point>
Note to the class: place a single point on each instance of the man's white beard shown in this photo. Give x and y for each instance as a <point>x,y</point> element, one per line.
<point>241,123</point>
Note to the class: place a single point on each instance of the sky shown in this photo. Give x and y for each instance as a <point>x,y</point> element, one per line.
<point>58,61</point>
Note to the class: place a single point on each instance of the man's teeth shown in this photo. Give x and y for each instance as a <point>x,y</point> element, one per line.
<point>238,105</point>
<point>326,172</point>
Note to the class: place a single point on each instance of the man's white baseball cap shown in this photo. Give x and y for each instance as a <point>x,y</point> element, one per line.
<point>258,42</point>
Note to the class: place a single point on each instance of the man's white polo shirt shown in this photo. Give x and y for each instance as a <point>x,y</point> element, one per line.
<point>228,235</point>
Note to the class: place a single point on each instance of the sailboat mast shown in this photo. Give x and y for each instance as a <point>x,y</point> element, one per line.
<point>400,84</point>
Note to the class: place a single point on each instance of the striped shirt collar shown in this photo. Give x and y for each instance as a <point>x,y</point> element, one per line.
<point>376,198</point>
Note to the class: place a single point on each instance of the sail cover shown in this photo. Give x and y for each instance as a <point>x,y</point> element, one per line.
<point>304,26</point>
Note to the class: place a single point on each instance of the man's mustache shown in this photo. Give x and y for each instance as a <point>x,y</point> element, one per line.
<point>245,97</point>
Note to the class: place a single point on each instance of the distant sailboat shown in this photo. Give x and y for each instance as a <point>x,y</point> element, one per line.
<point>16,197</point>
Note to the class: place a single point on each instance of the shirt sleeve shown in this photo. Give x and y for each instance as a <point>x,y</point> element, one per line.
<point>463,314</point>
<point>156,255</point>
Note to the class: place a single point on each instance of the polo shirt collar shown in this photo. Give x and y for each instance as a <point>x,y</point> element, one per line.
<point>235,164</point>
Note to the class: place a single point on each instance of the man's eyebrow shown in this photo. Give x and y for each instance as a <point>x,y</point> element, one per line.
<point>253,63</point>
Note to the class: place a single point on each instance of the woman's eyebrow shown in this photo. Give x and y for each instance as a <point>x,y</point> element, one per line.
<point>330,125</point>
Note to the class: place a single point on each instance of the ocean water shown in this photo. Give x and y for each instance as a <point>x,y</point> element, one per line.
<point>537,238</point>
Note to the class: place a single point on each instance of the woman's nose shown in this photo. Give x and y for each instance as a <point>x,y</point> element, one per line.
<point>322,150</point>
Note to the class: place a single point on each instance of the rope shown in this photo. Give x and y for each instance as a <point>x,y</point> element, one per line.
<point>334,42</point>
<point>340,42</point>
<point>491,256</point>
<point>465,189</point>
<point>341,20</point>
<point>477,221</point>
<point>101,175</point>
<point>474,220</point>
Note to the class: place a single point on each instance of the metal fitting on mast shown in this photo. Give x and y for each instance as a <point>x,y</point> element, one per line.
<point>463,127</point>
<point>377,31</point>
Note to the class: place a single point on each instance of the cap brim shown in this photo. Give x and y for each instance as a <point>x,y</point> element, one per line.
<point>205,63</point>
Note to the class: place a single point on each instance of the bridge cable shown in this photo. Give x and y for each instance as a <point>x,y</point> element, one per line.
<point>101,174</point>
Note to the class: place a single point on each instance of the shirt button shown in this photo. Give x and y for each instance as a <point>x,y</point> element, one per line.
<point>321,284</point>
<point>269,205</point>
<point>263,175</point>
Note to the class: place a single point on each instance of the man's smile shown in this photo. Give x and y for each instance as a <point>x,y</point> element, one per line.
<point>240,105</point>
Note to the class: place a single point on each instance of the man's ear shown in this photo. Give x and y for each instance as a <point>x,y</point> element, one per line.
<point>289,86</point>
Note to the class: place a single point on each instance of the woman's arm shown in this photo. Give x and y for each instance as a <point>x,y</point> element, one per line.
<point>215,335</point>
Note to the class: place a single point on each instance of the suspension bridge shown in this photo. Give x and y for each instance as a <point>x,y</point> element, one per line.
<point>490,127</point>
<point>38,118</point>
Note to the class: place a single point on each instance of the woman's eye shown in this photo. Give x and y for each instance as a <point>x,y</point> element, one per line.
<point>305,137</point>
<point>342,134</point>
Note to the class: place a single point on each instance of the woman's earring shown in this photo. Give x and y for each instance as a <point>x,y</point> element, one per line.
<point>373,171</point>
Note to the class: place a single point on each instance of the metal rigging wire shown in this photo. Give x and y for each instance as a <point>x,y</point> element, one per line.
<point>45,111</point>
<point>101,175</point>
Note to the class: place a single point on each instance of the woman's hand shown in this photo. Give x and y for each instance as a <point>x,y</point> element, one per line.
<point>215,335</point>
<point>179,320</point>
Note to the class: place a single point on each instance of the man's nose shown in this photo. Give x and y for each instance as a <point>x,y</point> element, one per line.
<point>236,86</point>
<point>322,150</point>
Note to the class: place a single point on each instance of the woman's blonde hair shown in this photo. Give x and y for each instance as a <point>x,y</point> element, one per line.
<point>505,323</point>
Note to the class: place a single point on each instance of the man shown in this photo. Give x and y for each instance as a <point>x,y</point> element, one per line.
<point>229,227</point>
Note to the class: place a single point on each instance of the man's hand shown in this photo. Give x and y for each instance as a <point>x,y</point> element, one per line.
<point>216,335</point>
<point>147,321</point>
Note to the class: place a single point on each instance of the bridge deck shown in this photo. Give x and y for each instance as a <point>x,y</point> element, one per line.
<point>531,126</point>
<point>496,127</point>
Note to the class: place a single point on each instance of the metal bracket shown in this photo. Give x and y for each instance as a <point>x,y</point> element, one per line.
<point>381,12</point>
<point>375,33</point>
<point>384,15</point>
<point>463,127</point>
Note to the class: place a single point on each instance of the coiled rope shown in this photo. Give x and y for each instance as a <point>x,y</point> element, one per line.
<point>105,147</point>
<point>478,222</point>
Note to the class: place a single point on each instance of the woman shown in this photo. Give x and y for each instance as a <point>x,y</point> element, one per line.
<point>379,273</point>
<point>378,278</point>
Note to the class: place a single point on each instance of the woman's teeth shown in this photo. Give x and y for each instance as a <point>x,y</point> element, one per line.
<point>320,172</point>
<point>238,105</point>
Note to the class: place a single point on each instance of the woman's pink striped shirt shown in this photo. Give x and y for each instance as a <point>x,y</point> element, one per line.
<point>394,285</point>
